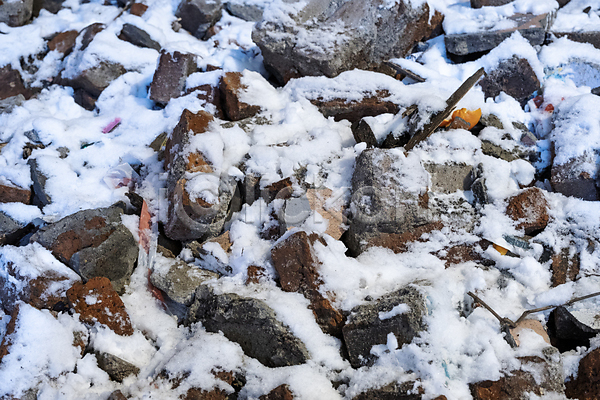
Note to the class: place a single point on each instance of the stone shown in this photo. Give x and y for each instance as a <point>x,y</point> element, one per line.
<point>211,96</point>
<point>567,332</point>
<point>530,209</point>
<point>94,80</point>
<point>517,152</point>
<point>117,395</point>
<point>515,77</point>
<point>64,42</point>
<point>298,271</point>
<point>170,76</point>
<point>330,209</point>
<point>256,274</point>
<point>251,323</point>
<point>591,37</point>
<point>16,13</point>
<point>354,111</point>
<point>84,99</point>
<point>14,194</point>
<point>245,10</point>
<point>572,178</point>
<point>197,16</point>
<point>281,189</point>
<point>393,391</point>
<point>488,3</point>
<point>179,280</point>
<point>40,197</point>
<point>97,302</point>
<point>384,204</point>
<point>138,9</point>
<point>281,392</point>
<point>231,89</point>
<point>11,83</point>
<point>53,6</point>
<point>296,48</point>
<point>400,312</point>
<point>138,37</point>
<point>531,27</point>
<point>564,267</point>
<point>94,243</point>
<point>89,33</point>
<point>10,230</point>
<point>234,380</point>
<point>11,327</point>
<point>362,132</point>
<point>398,242</point>
<point>587,384</point>
<point>449,178</point>
<point>10,103</point>
<point>117,368</point>
<point>537,375</point>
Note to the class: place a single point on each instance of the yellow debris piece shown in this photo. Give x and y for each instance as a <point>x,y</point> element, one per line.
<point>500,249</point>
<point>470,116</point>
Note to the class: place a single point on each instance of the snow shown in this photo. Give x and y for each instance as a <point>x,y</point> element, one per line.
<point>288,137</point>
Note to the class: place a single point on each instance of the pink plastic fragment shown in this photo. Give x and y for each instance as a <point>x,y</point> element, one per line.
<point>113,124</point>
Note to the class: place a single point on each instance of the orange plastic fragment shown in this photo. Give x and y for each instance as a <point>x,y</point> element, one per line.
<point>470,116</point>
<point>500,249</point>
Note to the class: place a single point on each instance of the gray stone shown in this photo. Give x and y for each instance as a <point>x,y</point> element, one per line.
<point>292,50</point>
<point>88,34</point>
<point>251,323</point>
<point>179,280</point>
<point>197,16</point>
<point>138,37</point>
<point>10,230</point>
<point>479,187</point>
<point>16,13</point>
<point>117,368</point>
<point>170,76</point>
<point>531,27</point>
<point>245,11</point>
<point>488,3</point>
<point>517,152</point>
<point>514,77</point>
<point>448,178</point>
<point>591,37</point>
<point>41,198</point>
<point>383,201</point>
<point>96,79</point>
<point>368,324</point>
<point>573,179</point>
<point>393,391</point>
<point>52,6</point>
<point>9,104</point>
<point>93,243</point>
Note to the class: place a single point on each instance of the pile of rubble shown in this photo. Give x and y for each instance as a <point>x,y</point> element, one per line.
<point>467,191</point>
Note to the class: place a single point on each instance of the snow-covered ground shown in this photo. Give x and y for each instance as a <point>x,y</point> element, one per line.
<point>457,348</point>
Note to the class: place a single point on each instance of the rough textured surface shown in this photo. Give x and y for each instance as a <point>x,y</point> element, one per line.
<point>138,9</point>
<point>531,27</point>
<point>96,79</point>
<point>353,111</point>
<point>16,13</point>
<point>366,327</point>
<point>11,83</point>
<point>197,16</point>
<point>394,391</point>
<point>169,79</point>
<point>573,180</point>
<point>565,267</point>
<point>93,243</point>
<point>97,302</point>
<point>297,49</point>
<point>299,272</point>
<point>10,230</point>
<point>488,3</point>
<point>11,194</point>
<point>587,384</point>
<point>591,37</point>
<point>566,332</point>
<point>530,209</point>
<point>281,392</point>
<point>117,368</point>
<point>41,198</point>
<point>245,10</point>
<point>515,77</point>
<point>448,178</point>
<point>252,324</point>
<point>231,88</point>
<point>138,37</point>
<point>63,42</point>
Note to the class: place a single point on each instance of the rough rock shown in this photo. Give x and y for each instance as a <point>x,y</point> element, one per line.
<point>211,96</point>
<point>537,375</point>
<point>251,323</point>
<point>10,330</point>
<point>591,37</point>
<point>462,253</point>
<point>245,10</point>
<point>385,205</point>
<point>234,380</point>
<point>363,132</point>
<point>449,178</point>
<point>84,99</point>
<point>564,267</point>
<point>117,368</point>
<point>517,152</point>
<point>197,16</point>
<point>97,302</point>
<point>64,42</point>
<point>281,392</point>
<point>231,88</point>
<point>178,279</point>
<point>138,9</point>
<point>11,83</point>
<point>93,243</point>
<point>400,312</point>
<point>393,391</point>
<point>117,395</point>
<point>567,332</point>
<point>170,76</point>
<point>353,111</point>
<point>9,104</point>
<point>89,33</point>
<point>488,3</point>
<point>14,194</point>
<point>94,80</point>
<point>298,271</point>
<point>10,230</point>
<point>52,6</point>
<point>515,77</point>
<point>531,27</point>
<point>16,13</point>
<point>187,219</point>
<point>138,37</point>
<point>530,209</point>
<point>292,50</point>
<point>573,179</point>
<point>587,384</point>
